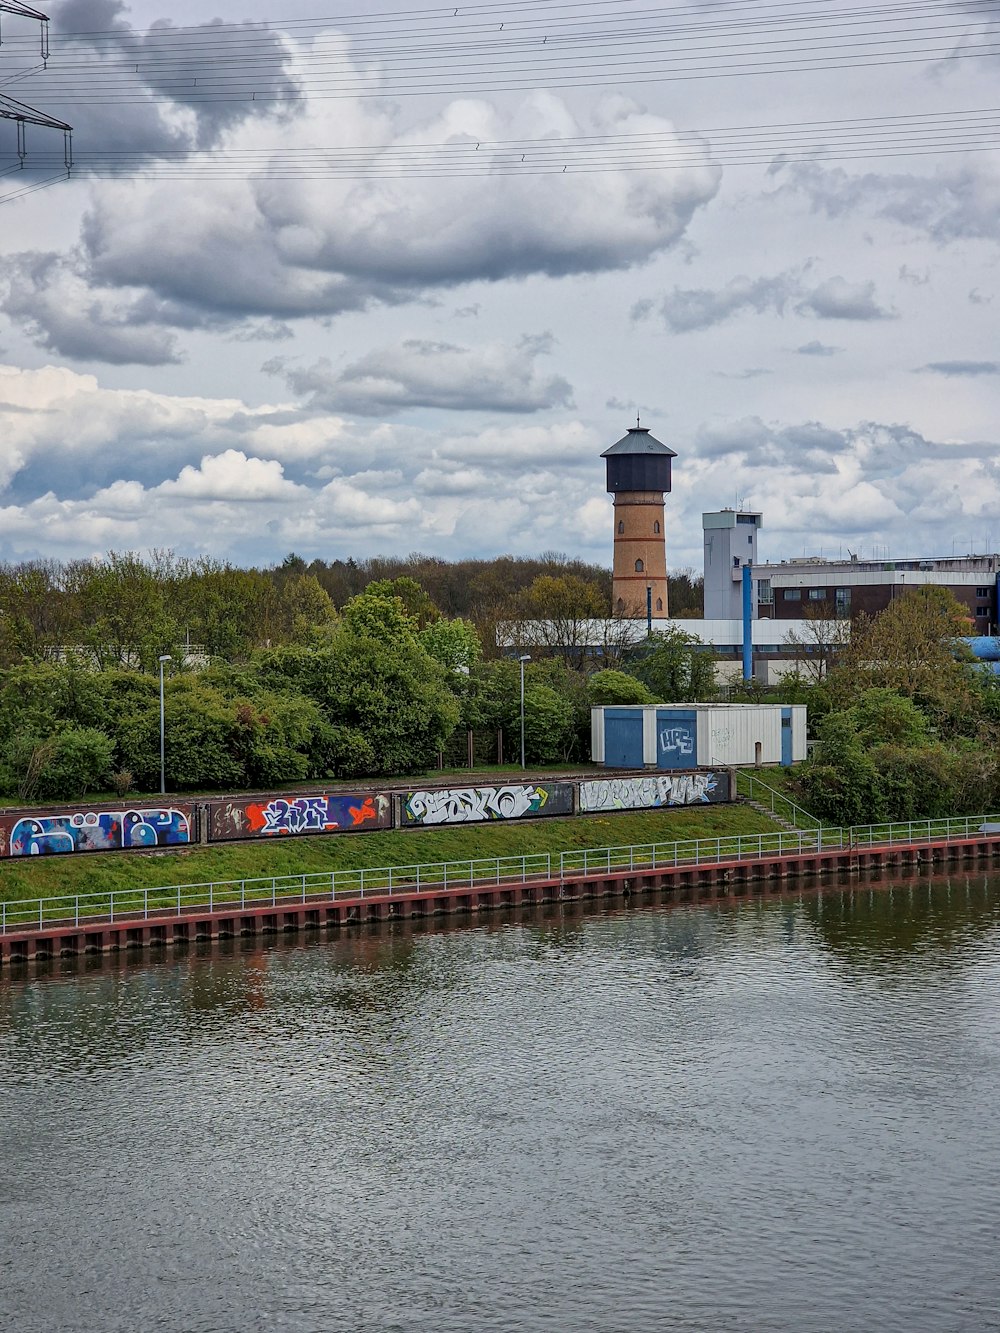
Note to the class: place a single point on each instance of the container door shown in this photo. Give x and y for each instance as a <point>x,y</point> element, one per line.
<point>622,738</point>
<point>676,738</point>
<point>786,739</point>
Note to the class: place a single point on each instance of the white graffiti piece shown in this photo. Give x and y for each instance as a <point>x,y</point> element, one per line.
<point>307,814</point>
<point>647,793</point>
<point>677,740</point>
<point>471,805</point>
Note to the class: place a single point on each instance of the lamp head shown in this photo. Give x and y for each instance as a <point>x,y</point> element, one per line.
<point>525,657</point>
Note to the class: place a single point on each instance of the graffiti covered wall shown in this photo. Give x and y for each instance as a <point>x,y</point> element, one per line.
<point>95,831</point>
<point>269,817</point>
<point>653,792</point>
<point>472,805</point>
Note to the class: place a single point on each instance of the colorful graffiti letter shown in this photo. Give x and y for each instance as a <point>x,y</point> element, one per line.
<point>473,805</point>
<point>98,831</point>
<point>300,814</point>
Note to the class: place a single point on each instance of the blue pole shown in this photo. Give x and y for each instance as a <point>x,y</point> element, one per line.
<point>747,622</point>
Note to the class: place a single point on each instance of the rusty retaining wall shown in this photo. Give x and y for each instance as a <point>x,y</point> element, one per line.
<point>709,883</point>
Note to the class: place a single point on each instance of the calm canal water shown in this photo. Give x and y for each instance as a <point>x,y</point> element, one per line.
<point>780,1116</point>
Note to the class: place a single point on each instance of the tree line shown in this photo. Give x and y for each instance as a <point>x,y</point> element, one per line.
<point>268,682</point>
<point>126,609</point>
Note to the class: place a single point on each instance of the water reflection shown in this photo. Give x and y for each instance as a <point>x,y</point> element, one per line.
<point>763,1116</point>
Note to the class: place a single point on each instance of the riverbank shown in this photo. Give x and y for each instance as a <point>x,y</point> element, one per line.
<point>101,872</point>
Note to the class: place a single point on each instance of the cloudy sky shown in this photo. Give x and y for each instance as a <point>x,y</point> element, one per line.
<point>390,281</point>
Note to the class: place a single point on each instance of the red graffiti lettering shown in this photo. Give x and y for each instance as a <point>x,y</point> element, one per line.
<point>360,813</point>
<point>256,817</point>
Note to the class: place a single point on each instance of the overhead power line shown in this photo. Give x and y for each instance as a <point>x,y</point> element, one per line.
<point>487,48</point>
<point>825,141</point>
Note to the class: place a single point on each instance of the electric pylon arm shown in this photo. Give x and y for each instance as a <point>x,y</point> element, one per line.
<point>28,115</point>
<point>13,110</point>
<point>28,12</point>
<point>12,7</point>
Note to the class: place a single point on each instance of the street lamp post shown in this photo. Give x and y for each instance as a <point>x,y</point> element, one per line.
<point>526,657</point>
<point>165,657</point>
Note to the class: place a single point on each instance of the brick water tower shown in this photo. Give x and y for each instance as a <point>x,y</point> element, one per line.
<point>638,478</point>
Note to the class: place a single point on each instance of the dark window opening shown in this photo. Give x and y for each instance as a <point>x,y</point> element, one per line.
<point>639,567</point>
<point>621,525</point>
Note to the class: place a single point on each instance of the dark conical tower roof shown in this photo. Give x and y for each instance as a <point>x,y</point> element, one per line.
<point>638,441</point>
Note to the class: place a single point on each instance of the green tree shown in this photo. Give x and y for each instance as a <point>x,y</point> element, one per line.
<point>841,783</point>
<point>912,648</point>
<point>883,717</point>
<point>549,729</point>
<point>453,643</point>
<point>617,688</point>
<point>417,604</point>
<point>126,621</point>
<point>674,666</point>
<point>557,612</point>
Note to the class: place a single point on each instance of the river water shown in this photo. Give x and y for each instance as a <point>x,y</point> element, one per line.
<point>772,1116</point>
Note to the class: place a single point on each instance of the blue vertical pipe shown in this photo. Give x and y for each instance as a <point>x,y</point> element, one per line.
<point>747,622</point>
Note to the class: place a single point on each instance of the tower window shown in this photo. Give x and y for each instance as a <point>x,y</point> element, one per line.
<point>659,603</point>
<point>621,604</point>
<point>621,525</point>
<point>656,526</point>
<point>639,566</point>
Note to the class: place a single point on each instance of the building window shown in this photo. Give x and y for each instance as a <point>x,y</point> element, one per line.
<point>817,594</point>
<point>656,527</point>
<point>659,603</point>
<point>982,610</point>
<point>639,567</point>
<point>620,605</point>
<point>982,592</point>
<point>842,603</point>
<point>621,525</point>
<point>765,593</point>
<point>793,594</point>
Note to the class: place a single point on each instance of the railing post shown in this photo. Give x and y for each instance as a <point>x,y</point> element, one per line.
<point>243,895</point>
<point>178,900</point>
<point>76,914</point>
<point>145,904</point>
<point>303,888</point>
<point>211,897</point>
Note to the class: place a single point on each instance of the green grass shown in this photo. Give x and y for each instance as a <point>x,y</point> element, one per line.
<point>101,872</point>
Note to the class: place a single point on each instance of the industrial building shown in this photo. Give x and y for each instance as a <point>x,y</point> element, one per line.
<point>816,588</point>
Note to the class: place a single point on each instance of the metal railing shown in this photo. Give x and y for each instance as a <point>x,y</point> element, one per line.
<point>775,801</point>
<point>125,905</point>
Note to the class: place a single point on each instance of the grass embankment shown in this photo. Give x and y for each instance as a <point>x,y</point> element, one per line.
<point>102,872</point>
